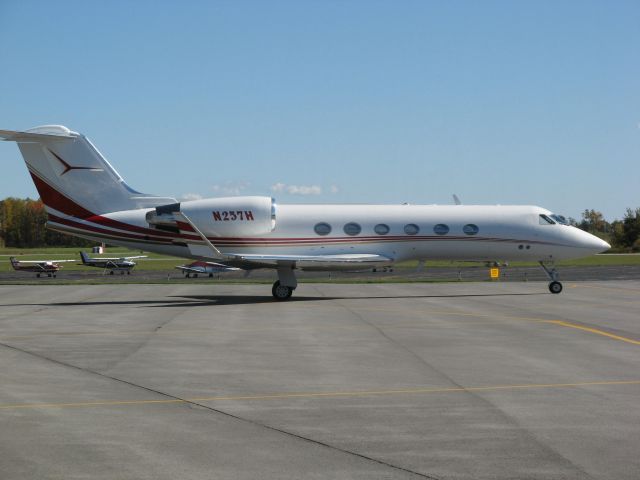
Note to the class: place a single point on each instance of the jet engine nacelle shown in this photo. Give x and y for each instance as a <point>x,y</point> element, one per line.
<point>218,217</point>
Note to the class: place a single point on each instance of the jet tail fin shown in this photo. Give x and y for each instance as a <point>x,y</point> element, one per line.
<point>72,176</point>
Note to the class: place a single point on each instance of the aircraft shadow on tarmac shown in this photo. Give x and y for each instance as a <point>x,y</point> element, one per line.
<point>213,300</point>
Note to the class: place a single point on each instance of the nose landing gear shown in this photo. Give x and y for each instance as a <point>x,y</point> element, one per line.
<point>555,286</point>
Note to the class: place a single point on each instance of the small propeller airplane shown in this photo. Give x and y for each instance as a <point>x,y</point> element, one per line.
<point>86,197</point>
<point>121,264</point>
<point>39,267</point>
<point>205,268</point>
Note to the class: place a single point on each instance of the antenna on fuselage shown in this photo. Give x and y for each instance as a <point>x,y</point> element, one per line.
<point>456,200</point>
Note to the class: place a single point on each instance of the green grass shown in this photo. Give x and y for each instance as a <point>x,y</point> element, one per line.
<point>156,262</point>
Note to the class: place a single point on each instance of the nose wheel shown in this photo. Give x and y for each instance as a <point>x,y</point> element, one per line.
<point>555,286</point>
<point>281,292</point>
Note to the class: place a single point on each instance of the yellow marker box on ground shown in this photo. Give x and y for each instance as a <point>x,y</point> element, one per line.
<point>494,273</point>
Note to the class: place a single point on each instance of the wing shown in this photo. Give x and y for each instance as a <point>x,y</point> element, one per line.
<point>343,258</point>
<point>131,258</point>
<point>351,261</point>
<point>221,266</point>
<point>44,262</point>
<point>186,268</point>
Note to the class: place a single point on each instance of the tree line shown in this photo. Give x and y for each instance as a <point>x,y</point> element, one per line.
<point>22,226</point>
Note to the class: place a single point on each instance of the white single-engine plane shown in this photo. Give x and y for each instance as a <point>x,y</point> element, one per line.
<point>39,267</point>
<point>85,196</point>
<point>205,268</point>
<point>120,264</point>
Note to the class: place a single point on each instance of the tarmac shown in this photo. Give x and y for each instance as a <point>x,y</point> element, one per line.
<point>443,381</point>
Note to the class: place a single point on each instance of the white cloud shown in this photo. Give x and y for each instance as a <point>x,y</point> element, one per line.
<point>230,188</point>
<point>296,189</point>
<point>278,187</point>
<point>190,196</point>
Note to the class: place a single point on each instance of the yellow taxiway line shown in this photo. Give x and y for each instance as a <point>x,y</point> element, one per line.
<point>293,395</point>
<point>594,330</point>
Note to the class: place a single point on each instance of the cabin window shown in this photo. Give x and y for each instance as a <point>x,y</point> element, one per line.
<point>544,220</point>
<point>322,228</point>
<point>381,229</point>
<point>352,228</point>
<point>411,229</point>
<point>470,229</point>
<point>441,229</point>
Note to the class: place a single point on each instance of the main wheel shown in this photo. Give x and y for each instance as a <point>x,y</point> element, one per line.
<point>281,292</point>
<point>128,272</point>
<point>54,275</point>
<point>38,275</point>
<point>111,272</point>
<point>555,287</point>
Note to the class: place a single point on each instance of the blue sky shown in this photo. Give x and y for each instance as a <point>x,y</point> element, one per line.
<point>338,101</point>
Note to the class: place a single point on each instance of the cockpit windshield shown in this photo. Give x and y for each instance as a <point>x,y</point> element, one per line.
<point>552,219</point>
<point>561,219</point>
<point>545,220</point>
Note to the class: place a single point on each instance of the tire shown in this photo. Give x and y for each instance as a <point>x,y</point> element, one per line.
<point>555,287</point>
<point>38,275</point>
<point>111,272</point>
<point>281,292</point>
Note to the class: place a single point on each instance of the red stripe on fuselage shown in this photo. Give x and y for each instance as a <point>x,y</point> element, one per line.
<point>52,198</point>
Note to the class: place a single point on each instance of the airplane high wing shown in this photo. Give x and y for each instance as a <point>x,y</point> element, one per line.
<point>45,262</point>
<point>86,197</point>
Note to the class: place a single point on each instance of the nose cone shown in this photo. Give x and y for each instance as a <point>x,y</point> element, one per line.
<point>593,243</point>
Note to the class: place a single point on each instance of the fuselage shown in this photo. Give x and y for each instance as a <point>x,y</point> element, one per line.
<point>399,232</point>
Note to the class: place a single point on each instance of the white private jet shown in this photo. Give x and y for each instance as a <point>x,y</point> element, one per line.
<point>84,196</point>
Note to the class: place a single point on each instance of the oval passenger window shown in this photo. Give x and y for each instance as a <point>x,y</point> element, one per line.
<point>322,228</point>
<point>352,228</point>
<point>381,229</point>
<point>470,229</point>
<point>411,229</point>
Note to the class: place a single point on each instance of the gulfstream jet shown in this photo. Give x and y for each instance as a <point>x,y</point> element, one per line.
<point>85,196</point>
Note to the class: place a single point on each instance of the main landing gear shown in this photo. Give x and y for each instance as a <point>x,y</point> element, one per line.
<point>285,285</point>
<point>554,286</point>
<point>281,292</point>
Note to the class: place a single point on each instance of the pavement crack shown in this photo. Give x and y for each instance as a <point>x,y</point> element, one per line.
<point>192,403</point>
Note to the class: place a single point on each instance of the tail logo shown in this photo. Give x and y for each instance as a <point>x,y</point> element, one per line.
<point>68,168</point>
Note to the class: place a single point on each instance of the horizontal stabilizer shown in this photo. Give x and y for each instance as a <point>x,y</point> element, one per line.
<point>15,136</point>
